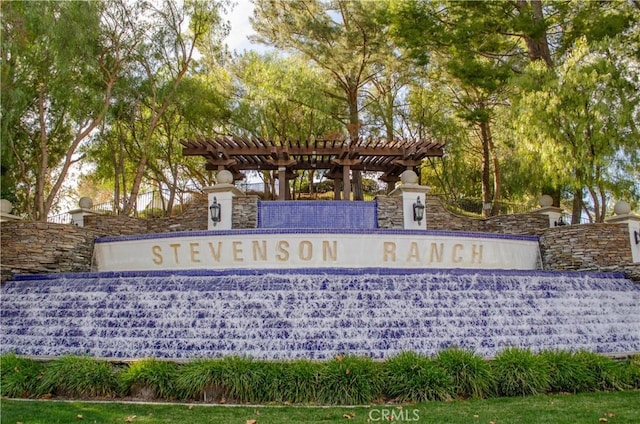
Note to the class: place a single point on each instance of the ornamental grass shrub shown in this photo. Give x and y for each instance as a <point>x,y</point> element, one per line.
<point>159,377</point>
<point>79,376</point>
<point>202,379</point>
<point>608,373</point>
<point>519,372</point>
<point>20,377</point>
<point>244,379</point>
<point>633,369</point>
<point>568,373</point>
<point>411,377</point>
<point>300,380</point>
<point>350,380</point>
<point>470,373</point>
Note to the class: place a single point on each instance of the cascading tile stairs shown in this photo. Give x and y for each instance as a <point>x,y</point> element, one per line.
<point>316,314</point>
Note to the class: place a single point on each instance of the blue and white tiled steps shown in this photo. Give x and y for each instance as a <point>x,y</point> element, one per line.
<point>313,314</point>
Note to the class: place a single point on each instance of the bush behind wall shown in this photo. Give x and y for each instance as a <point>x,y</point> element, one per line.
<point>343,380</point>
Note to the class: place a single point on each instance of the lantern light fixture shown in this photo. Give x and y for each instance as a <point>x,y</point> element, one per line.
<point>215,212</point>
<point>418,211</point>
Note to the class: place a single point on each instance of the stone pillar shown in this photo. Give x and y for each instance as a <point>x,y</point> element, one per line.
<point>223,193</point>
<point>412,193</point>
<point>547,208</point>
<point>623,215</point>
<point>5,211</point>
<point>77,215</point>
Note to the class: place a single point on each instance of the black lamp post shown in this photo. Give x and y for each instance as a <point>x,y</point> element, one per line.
<point>214,212</point>
<point>418,211</point>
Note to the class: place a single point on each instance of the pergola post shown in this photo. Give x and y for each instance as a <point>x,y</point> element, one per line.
<point>346,182</point>
<point>346,165</point>
<point>282,183</point>
<point>337,190</point>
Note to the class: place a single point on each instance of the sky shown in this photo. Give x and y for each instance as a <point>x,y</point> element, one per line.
<point>240,27</point>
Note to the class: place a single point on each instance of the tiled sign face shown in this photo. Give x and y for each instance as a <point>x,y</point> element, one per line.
<point>294,249</point>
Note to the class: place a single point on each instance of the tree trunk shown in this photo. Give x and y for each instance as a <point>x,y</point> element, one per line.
<point>486,170</point>
<point>137,181</point>
<point>497,178</point>
<point>353,129</point>
<point>537,46</point>
<point>39,209</point>
<point>577,206</point>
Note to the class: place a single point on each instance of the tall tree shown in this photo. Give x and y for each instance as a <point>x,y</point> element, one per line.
<point>581,127</point>
<point>476,59</point>
<point>60,62</point>
<point>342,37</point>
<point>279,100</point>
<point>164,62</point>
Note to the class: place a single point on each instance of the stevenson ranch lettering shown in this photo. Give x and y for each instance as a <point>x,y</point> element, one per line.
<point>325,251</point>
<point>252,250</point>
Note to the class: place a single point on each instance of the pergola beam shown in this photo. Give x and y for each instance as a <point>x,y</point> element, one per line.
<point>336,155</point>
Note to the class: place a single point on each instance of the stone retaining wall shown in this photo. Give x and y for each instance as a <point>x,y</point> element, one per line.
<point>440,218</point>
<point>192,219</point>
<point>245,212</point>
<point>586,247</point>
<point>44,248</point>
<point>389,212</point>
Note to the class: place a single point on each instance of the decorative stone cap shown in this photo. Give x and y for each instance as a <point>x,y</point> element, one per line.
<point>5,211</point>
<point>545,201</point>
<point>5,206</point>
<point>409,184</point>
<point>622,211</point>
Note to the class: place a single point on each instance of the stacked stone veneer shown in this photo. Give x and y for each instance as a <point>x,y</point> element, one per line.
<point>32,248</point>
<point>589,247</point>
<point>439,218</point>
<point>245,212</point>
<point>194,218</point>
<point>43,248</point>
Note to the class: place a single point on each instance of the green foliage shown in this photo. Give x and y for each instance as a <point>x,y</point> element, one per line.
<point>247,380</point>
<point>568,372</point>
<point>608,374</point>
<point>79,376</point>
<point>299,382</point>
<point>159,376</point>
<point>350,380</point>
<point>20,377</point>
<point>199,377</point>
<point>633,369</point>
<point>519,372</point>
<point>244,379</point>
<point>411,377</point>
<point>470,373</point>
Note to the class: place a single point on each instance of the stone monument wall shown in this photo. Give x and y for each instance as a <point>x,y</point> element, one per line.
<point>44,248</point>
<point>35,247</point>
<point>586,247</point>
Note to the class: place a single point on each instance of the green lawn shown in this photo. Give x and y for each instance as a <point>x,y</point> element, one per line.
<point>614,407</point>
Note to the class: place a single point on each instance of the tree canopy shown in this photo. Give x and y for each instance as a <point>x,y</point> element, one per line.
<point>530,96</point>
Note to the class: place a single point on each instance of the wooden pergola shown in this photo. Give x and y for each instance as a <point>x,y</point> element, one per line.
<point>338,156</point>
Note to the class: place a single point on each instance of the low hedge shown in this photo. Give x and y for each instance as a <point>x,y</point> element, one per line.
<point>343,380</point>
